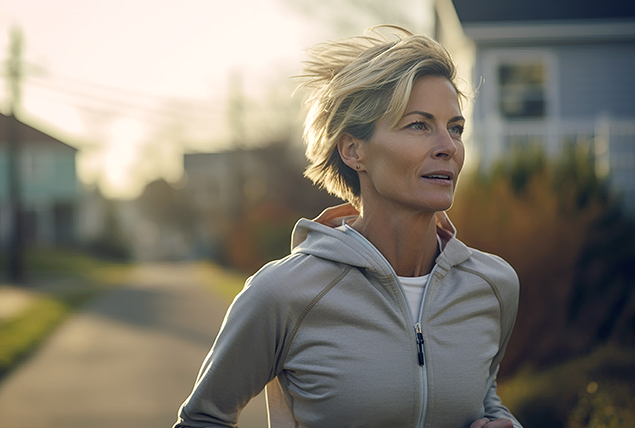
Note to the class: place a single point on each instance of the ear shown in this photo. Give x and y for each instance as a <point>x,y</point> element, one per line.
<point>350,152</point>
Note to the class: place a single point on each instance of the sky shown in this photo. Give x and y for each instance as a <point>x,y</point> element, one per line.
<point>135,83</point>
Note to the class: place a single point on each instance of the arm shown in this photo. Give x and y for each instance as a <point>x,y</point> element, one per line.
<point>240,363</point>
<point>494,410</point>
<point>498,423</point>
<point>508,295</point>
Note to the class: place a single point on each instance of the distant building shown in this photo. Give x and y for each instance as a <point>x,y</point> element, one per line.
<point>549,73</point>
<point>217,198</point>
<point>225,187</point>
<point>49,187</point>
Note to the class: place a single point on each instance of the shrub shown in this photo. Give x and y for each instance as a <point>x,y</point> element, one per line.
<point>571,244</point>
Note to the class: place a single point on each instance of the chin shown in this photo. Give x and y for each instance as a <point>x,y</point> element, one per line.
<point>441,204</point>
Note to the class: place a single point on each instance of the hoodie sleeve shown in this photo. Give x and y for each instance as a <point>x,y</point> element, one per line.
<point>241,362</point>
<point>494,408</point>
<point>508,294</point>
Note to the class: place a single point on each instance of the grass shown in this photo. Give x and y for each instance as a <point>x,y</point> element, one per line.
<point>72,264</point>
<point>23,332</point>
<point>60,281</point>
<point>595,391</point>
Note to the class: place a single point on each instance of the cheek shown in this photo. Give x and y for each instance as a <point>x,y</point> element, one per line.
<point>389,162</point>
<point>460,156</point>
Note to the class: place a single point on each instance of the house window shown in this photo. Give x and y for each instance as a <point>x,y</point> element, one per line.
<point>522,90</point>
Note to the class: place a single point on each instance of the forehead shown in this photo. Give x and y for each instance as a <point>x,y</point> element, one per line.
<point>434,94</point>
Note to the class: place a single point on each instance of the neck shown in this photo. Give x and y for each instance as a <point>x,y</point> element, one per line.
<point>407,240</point>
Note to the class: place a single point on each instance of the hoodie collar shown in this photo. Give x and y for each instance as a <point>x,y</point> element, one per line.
<point>454,251</point>
<point>324,237</point>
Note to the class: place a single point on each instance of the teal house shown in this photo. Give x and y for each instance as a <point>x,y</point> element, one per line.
<point>49,190</point>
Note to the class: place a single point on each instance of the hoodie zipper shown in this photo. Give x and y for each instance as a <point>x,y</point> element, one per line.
<point>421,353</point>
<point>419,341</point>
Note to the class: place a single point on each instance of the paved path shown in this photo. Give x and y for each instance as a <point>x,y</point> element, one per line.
<point>128,359</point>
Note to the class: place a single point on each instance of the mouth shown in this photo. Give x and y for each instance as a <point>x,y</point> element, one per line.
<point>441,177</point>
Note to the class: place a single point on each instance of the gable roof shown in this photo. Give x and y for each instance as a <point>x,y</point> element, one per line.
<point>481,11</point>
<point>28,134</point>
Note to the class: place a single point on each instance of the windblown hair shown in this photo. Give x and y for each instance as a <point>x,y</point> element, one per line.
<point>355,82</point>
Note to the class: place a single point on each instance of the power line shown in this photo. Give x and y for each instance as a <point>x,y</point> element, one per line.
<point>118,93</point>
<point>94,102</point>
<point>117,99</point>
<point>66,80</point>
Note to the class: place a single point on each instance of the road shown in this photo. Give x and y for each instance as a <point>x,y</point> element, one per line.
<point>127,359</point>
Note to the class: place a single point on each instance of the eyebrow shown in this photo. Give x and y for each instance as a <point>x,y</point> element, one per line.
<point>431,116</point>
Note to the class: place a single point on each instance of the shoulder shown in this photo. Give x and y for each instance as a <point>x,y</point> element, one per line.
<point>500,275</point>
<point>297,277</point>
<point>276,296</point>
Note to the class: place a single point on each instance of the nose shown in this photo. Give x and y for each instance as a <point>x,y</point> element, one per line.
<point>446,146</point>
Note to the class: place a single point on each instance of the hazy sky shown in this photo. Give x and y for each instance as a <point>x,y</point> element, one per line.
<point>111,76</point>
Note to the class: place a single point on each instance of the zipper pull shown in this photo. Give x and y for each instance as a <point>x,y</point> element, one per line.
<point>419,343</point>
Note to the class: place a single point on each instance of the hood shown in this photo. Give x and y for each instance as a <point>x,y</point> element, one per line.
<point>327,237</point>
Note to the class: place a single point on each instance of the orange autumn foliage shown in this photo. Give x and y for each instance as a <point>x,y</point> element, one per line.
<point>538,216</point>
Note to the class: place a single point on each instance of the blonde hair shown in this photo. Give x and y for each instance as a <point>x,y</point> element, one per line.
<point>355,82</point>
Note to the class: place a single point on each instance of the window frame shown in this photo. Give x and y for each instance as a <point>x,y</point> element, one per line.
<point>495,58</point>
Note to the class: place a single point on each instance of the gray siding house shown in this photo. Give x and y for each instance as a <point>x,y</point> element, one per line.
<point>549,73</point>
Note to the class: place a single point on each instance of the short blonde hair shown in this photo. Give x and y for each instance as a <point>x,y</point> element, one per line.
<point>355,82</point>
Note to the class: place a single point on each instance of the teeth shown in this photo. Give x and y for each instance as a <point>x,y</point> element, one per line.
<point>445,177</point>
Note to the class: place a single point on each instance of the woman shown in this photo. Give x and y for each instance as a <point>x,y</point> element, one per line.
<point>379,317</point>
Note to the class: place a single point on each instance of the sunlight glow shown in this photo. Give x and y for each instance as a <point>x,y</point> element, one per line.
<point>120,159</point>
<point>62,116</point>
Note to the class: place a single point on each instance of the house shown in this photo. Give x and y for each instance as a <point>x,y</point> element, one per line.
<point>224,185</point>
<point>50,191</point>
<point>548,73</point>
<point>260,188</point>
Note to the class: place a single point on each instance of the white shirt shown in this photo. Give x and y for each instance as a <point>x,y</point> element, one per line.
<point>413,287</point>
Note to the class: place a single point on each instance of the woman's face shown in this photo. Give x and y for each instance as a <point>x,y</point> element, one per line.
<point>416,164</point>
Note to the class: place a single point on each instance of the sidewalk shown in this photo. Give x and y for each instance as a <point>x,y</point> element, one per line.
<point>128,359</point>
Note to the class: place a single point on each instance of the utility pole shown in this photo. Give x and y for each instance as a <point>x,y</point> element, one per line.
<point>14,74</point>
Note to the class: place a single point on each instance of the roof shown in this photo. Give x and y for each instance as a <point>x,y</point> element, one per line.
<point>481,11</point>
<point>28,133</point>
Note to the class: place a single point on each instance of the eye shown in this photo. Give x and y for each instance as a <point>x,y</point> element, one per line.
<point>456,130</point>
<point>419,125</point>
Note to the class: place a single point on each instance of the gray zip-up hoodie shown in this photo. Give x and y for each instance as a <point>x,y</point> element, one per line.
<point>329,332</point>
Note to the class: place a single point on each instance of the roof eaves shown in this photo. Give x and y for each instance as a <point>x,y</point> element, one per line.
<point>28,133</point>
<point>550,31</point>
